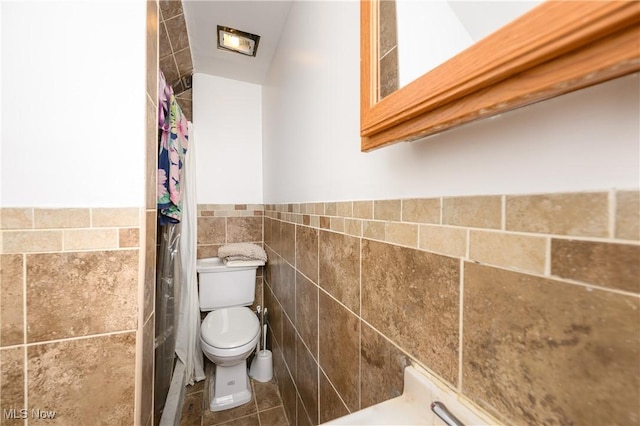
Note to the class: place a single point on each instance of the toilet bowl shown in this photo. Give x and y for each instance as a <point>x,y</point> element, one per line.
<point>230,332</point>
<point>228,336</point>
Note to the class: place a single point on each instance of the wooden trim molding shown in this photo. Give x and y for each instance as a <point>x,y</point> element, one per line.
<point>556,48</point>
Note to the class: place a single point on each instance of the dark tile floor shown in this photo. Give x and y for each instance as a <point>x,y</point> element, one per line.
<point>265,409</point>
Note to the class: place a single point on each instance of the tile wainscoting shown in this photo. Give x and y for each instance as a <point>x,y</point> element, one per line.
<point>526,305</point>
<point>69,288</point>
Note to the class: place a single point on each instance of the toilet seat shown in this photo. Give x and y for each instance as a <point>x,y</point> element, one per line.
<point>230,328</point>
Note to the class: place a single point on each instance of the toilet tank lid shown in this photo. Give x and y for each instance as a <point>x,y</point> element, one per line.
<point>210,264</point>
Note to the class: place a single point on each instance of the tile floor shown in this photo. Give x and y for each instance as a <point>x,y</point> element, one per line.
<point>265,409</point>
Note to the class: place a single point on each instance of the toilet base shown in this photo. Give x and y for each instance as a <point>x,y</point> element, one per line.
<point>230,387</point>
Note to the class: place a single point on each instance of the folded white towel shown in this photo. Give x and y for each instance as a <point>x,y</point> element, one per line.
<point>242,251</point>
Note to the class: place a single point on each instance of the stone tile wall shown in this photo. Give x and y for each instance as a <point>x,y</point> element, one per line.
<point>220,224</point>
<point>526,306</point>
<point>69,284</point>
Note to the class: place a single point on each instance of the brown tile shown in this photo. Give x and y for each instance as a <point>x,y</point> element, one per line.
<point>192,410</point>
<point>307,313</point>
<point>340,329</point>
<point>115,217</point>
<point>325,222</point>
<point>628,215</point>
<point>205,251</point>
<point>79,378</point>
<point>274,314</point>
<point>151,156</point>
<point>344,209</point>
<point>169,69</point>
<point>387,210</point>
<point>11,290</point>
<point>284,287</point>
<point>373,230</point>
<point>388,29</point>
<point>382,368</point>
<point>580,214</point>
<point>164,44</point>
<point>353,227</point>
<point>31,241</point>
<point>363,209</point>
<point>251,420</point>
<point>267,395</point>
<point>12,383</point>
<point>146,408</point>
<point>185,66</point>
<point>539,351</point>
<point>318,208</point>
<point>340,268</point>
<point>476,212</point>
<point>16,218</point>
<point>61,218</point>
<point>401,233</point>
<point>388,66</point>
<point>170,8</point>
<point>268,238</point>
<point>211,230</point>
<point>515,251</point>
<point>337,224</point>
<point>289,338</point>
<point>444,240</point>
<point>307,252</point>
<point>258,298</point>
<point>288,392</point>
<point>606,264</point>
<point>234,414</point>
<point>408,293</point>
<point>279,367</point>
<point>422,210</point>
<point>303,418</point>
<point>177,31</point>
<point>273,417</point>
<point>307,381</point>
<point>330,209</point>
<point>288,242</point>
<point>244,229</point>
<point>331,406</point>
<point>150,264</point>
<point>194,388</point>
<point>90,239</point>
<point>78,294</point>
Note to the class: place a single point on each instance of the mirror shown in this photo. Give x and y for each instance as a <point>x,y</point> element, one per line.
<point>554,48</point>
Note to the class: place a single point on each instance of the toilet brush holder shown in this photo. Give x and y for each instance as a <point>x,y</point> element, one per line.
<point>262,366</point>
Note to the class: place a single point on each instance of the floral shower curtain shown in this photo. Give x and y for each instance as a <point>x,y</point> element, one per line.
<point>173,144</point>
<point>173,147</point>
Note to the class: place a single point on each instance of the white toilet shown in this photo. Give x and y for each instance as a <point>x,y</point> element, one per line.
<point>230,332</point>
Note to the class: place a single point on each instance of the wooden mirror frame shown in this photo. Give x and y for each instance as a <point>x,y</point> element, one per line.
<point>556,48</point>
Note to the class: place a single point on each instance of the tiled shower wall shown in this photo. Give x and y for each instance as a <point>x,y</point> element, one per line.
<point>175,52</point>
<point>68,319</point>
<point>525,305</point>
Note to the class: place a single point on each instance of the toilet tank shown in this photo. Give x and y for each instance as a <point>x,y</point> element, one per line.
<point>220,286</point>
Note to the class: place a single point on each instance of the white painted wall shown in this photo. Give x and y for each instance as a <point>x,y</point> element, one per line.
<point>588,140</point>
<point>73,104</point>
<point>227,117</point>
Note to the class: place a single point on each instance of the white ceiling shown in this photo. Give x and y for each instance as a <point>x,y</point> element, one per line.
<point>264,18</point>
